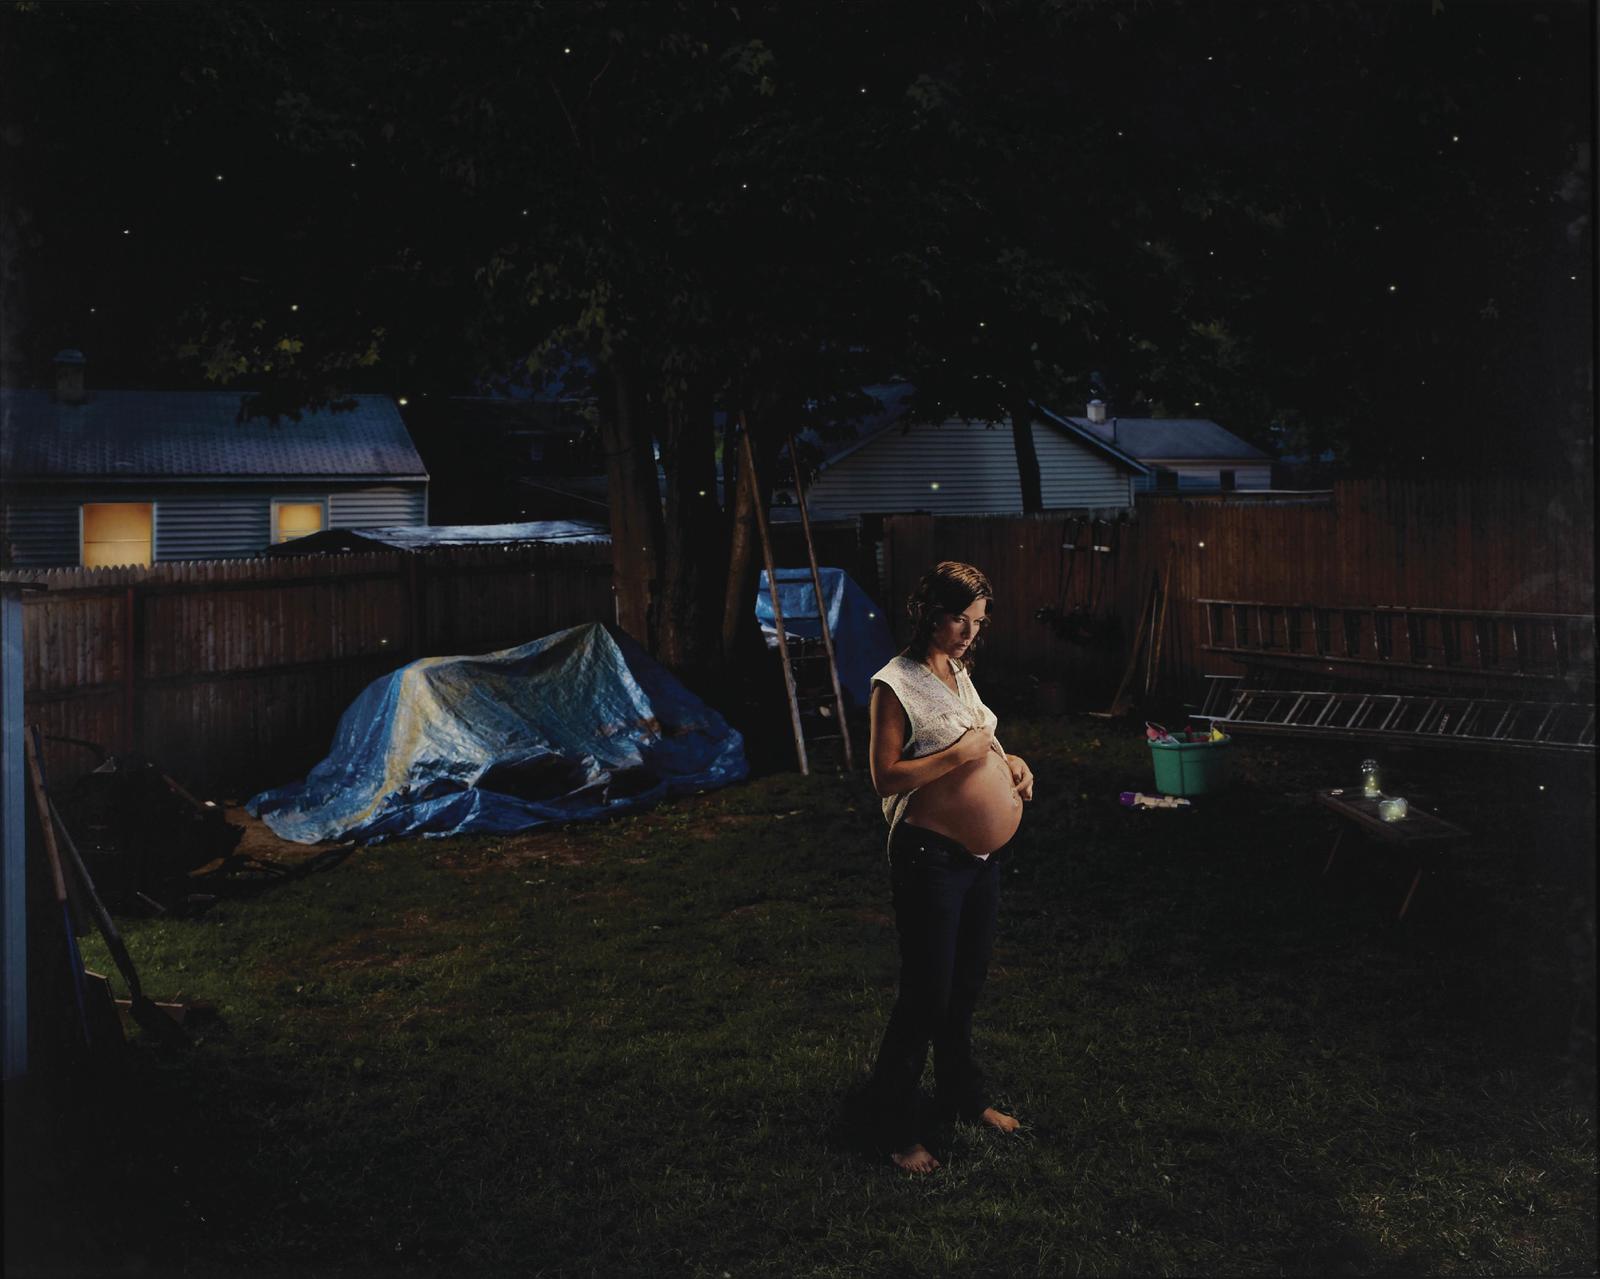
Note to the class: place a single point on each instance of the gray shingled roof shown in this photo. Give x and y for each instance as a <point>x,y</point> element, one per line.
<point>187,434</point>
<point>1171,438</point>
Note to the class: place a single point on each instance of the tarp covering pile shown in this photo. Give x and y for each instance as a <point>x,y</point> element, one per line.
<point>862,641</point>
<point>422,537</point>
<point>582,723</point>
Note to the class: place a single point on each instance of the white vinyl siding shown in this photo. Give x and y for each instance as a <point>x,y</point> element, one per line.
<point>1206,477</point>
<point>378,507</point>
<point>973,465</point>
<point>41,532</point>
<point>212,526</point>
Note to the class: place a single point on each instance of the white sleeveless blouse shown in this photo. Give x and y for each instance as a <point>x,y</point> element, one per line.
<point>935,717</point>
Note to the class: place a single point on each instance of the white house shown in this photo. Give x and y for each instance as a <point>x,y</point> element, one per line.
<point>962,467</point>
<point>1186,455</point>
<point>138,477</point>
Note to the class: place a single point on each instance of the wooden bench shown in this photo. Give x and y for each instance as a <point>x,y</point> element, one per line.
<point>1419,831</point>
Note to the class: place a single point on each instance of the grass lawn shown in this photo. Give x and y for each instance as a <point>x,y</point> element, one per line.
<point>633,1046</point>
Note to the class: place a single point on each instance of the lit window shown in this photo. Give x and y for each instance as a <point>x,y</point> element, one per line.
<point>118,533</point>
<point>296,519</point>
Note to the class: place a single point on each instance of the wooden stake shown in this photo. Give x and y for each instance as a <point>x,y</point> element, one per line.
<point>822,610</point>
<point>772,583</point>
<point>1119,704</point>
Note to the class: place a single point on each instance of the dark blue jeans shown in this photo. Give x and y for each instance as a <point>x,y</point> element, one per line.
<point>945,905</point>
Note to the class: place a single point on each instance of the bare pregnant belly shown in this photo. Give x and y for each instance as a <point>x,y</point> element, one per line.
<point>975,805</point>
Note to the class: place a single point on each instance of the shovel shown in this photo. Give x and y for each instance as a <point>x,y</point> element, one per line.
<point>144,1009</point>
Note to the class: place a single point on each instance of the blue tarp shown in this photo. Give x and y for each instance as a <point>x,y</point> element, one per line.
<point>862,641</point>
<point>582,723</point>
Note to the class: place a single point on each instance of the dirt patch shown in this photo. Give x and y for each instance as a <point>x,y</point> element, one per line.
<point>713,825</point>
<point>381,947</point>
<point>528,848</point>
<point>260,843</point>
<point>615,895</point>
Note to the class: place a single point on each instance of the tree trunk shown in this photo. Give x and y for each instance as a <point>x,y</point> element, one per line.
<point>696,548</point>
<point>635,501</point>
<point>1027,457</point>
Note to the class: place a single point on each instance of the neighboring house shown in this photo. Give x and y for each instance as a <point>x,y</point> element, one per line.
<point>137,477</point>
<point>961,467</point>
<point>1183,455</point>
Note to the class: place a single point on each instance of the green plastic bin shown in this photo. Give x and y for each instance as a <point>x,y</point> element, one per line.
<point>1191,768</point>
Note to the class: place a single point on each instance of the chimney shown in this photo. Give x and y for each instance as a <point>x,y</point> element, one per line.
<point>69,377</point>
<point>1097,409</point>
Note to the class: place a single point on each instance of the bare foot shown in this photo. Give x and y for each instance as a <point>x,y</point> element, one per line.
<point>915,1159</point>
<point>999,1121</point>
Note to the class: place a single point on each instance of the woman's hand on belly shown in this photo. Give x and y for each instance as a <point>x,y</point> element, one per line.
<point>976,804</point>
<point>1021,776</point>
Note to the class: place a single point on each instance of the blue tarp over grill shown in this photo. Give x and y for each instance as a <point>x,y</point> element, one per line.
<point>582,723</point>
<point>862,641</point>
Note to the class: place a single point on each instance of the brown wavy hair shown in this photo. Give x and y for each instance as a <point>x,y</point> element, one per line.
<point>948,587</point>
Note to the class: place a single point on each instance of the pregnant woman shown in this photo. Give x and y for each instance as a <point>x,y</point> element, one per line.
<point>953,800</point>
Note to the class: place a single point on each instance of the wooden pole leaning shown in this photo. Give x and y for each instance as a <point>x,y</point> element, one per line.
<point>772,583</point>
<point>822,609</point>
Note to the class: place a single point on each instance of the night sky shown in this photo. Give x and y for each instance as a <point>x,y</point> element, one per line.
<point>1366,226</point>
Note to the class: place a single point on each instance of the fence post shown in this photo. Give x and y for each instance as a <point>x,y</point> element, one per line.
<point>415,633</point>
<point>130,666</point>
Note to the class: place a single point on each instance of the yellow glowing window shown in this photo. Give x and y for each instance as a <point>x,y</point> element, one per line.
<point>118,533</point>
<point>296,519</point>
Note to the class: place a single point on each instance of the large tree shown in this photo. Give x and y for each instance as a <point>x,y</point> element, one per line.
<point>755,210</point>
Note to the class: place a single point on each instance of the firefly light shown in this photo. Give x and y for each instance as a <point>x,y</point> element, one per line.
<point>294,306</point>
<point>934,485</point>
<point>403,400</point>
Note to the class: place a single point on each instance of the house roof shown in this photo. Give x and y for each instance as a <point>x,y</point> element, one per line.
<point>1172,439</point>
<point>196,434</point>
<point>1066,425</point>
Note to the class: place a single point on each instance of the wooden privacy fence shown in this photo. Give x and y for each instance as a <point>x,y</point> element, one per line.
<point>234,672</point>
<point>1491,546</point>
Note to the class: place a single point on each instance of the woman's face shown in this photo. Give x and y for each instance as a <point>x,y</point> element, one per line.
<point>954,632</point>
